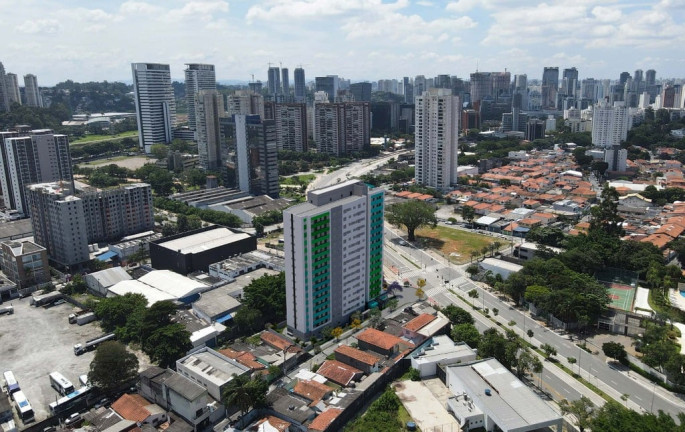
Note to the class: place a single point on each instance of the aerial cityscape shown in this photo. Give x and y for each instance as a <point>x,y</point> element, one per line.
<point>436,216</point>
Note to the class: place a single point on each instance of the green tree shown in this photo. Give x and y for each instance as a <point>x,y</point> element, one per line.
<point>467,333</point>
<point>245,393</point>
<point>77,285</point>
<point>582,409</point>
<point>468,214</point>
<point>473,269</point>
<point>615,350</point>
<point>457,315</point>
<point>337,332</point>
<point>267,295</point>
<point>114,312</point>
<point>248,319</point>
<point>549,350</point>
<point>412,214</point>
<point>168,344</point>
<point>112,367</point>
<point>605,215</point>
<point>159,151</point>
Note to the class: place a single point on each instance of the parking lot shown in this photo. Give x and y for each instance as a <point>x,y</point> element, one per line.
<point>35,342</point>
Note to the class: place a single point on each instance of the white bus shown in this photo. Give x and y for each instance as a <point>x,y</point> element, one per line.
<point>69,401</point>
<point>11,384</point>
<point>61,384</point>
<point>24,409</point>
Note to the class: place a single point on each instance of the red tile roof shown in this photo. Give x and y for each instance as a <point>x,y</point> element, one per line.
<point>132,407</point>
<point>357,354</point>
<point>280,424</point>
<point>323,420</point>
<point>380,339</point>
<point>312,390</point>
<point>419,322</point>
<point>279,342</point>
<point>338,372</point>
<point>243,357</point>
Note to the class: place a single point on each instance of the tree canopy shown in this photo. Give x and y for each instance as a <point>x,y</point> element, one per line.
<point>112,367</point>
<point>267,295</point>
<point>412,214</point>
<point>245,393</point>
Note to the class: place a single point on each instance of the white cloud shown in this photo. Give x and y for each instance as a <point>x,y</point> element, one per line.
<point>202,10</point>
<point>605,14</point>
<point>461,6</point>
<point>47,26</point>
<point>307,9</point>
<point>425,3</point>
<point>133,7</point>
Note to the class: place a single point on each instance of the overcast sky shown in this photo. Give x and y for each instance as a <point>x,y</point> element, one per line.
<point>87,40</point>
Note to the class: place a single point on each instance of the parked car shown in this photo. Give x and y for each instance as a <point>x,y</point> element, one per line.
<point>73,420</point>
<point>403,243</point>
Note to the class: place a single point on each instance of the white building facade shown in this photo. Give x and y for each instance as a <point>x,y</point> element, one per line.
<point>155,104</point>
<point>198,77</point>
<point>610,124</point>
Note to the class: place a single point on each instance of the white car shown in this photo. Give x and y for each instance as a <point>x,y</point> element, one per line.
<point>403,243</point>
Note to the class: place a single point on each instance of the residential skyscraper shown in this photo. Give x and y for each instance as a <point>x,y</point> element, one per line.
<point>155,104</point>
<point>198,77</point>
<point>650,77</point>
<point>12,85</point>
<point>420,85</point>
<point>4,92</point>
<point>570,82</point>
<point>329,85</point>
<point>361,91</point>
<point>550,88</point>
<point>610,124</point>
<point>31,91</point>
<point>209,107</point>
<point>291,127</point>
<point>285,80</point>
<point>300,90</point>
<point>274,76</point>
<point>342,128</point>
<point>252,154</point>
<point>481,86</point>
<point>245,102</point>
<point>333,256</point>
<point>520,97</point>
<point>42,156</point>
<point>436,139</point>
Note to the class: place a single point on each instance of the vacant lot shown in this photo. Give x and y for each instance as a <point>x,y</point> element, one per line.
<point>454,243</point>
<point>94,138</point>
<point>130,162</point>
<point>298,180</point>
<point>36,342</point>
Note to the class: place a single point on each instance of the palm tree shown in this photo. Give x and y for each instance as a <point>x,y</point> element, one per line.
<point>474,254</point>
<point>237,393</point>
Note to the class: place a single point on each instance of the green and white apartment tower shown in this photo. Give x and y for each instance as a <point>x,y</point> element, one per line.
<point>333,255</point>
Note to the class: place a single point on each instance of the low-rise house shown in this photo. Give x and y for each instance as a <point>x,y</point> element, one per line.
<point>364,361</point>
<point>211,370</point>
<point>312,390</point>
<point>324,420</point>
<point>424,327</point>
<point>382,343</point>
<point>339,373</point>
<point>136,408</point>
<point>440,351</point>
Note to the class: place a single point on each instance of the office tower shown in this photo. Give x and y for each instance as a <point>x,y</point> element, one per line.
<point>42,156</point>
<point>4,92</point>
<point>342,128</point>
<point>255,87</point>
<point>520,99</point>
<point>384,117</point>
<point>420,84</point>
<point>361,91</point>
<point>31,91</point>
<point>209,107</point>
<point>58,222</point>
<point>570,82</point>
<point>12,85</point>
<point>550,87</point>
<point>436,139</point>
<point>481,86</point>
<point>407,90</point>
<point>65,224</point>
<point>291,127</point>
<point>624,77</point>
<point>274,83</point>
<point>327,84</point>
<point>588,89</point>
<point>515,121</point>
<point>501,84</point>
<point>333,256</point>
<point>300,90</point>
<point>245,102</point>
<point>638,75</point>
<point>286,84</point>
<point>535,129</point>
<point>252,154</point>
<point>198,77</point>
<point>155,103</point>
<point>442,81</point>
<point>650,77</point>
<point>610,124</point>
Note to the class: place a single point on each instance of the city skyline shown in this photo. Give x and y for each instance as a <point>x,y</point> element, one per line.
<point>359,40</point>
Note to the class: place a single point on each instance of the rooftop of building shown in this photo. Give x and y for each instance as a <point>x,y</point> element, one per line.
<point>110,276</point>
<point>132,407</point>
<point>381,339</point>
<point>159,285</point>
<point>502,264</point>
<point>23,247</point>
<point>248,260</point>
<point>215,302</point>
<point>338,372</point>
<point>290,405</point>
<point>212,366</point>
<point>323,420</point>
<point>15,229</point>
<point>312,390</point>
<point>204,240</point>
<point>442,348</point>
<point>186,388</point>
<point>419,322</point>
<point>357,354</point>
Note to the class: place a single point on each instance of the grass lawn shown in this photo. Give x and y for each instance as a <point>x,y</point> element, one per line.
<point>450,240</point>
<point>298,180</point>
<point>90,138</point>
<point>404,417</point>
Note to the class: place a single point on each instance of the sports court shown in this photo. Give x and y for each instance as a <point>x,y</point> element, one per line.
<point>621,286</point>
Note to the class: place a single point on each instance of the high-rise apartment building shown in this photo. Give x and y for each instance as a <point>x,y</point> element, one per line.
<point>481,86</point>
<point>436,139</point>
<point>4,92</point>
<point>550,88</point>
<point>155,103</point>
<point>209,107</point>
<point>12,85</point>
<point>251,154</point>
<point>570,81</point>
<point>520,96</point>
<point>65,224</point>
<point>420,85</point>
<point>274,83</point>
<point>31,91</point>
<point>245,102</point>
<point>361,91</point>
<point>291,127</point>
<point>535,129</point>
<point>300,90</point>
<point>650,77</point>
<point>328,84</point>
<point>198,77</point>
<point>42,156</point>
<point>610,124</point>
<point>342,128</point>
<point>333,256</point>
<point>285,80</point>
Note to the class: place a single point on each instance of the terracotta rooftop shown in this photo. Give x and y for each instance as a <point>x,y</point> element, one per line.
<point>243,357</point>
<point>658,240</point>
<point>323,420</point>
<point>132,407</point>
<point>338,372</point>
<point>357,354</point>
<point>312,390</point>
<point>279,342</point>
<point>380,339</point>
<point>419,322</point>
<point>279,424</point>
<point>671,230</point>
